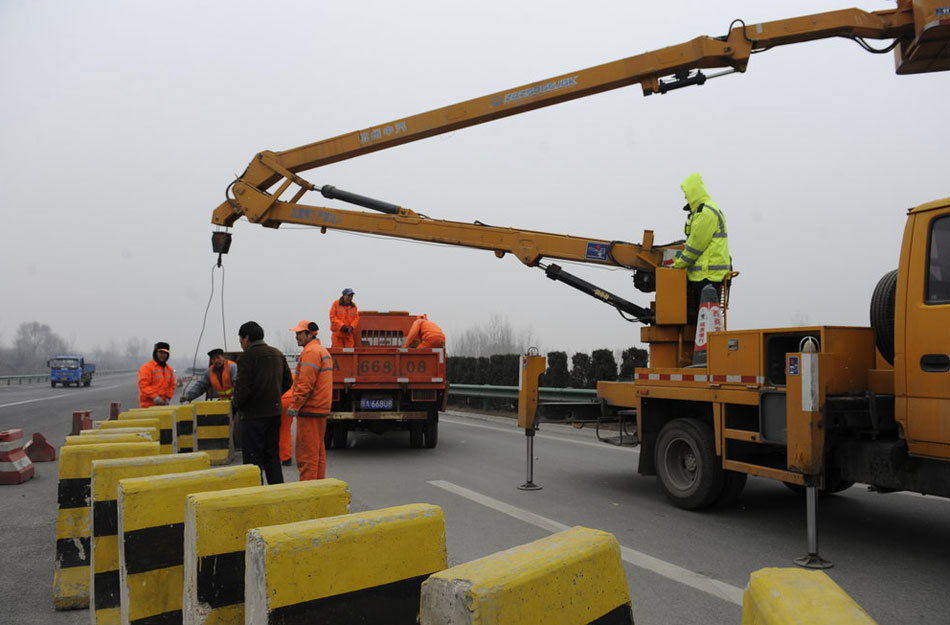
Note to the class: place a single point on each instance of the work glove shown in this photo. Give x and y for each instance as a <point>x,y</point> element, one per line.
<point>182,400</point>
<point>346,329</point>
<point>292,412</point>
<point>158,401</point>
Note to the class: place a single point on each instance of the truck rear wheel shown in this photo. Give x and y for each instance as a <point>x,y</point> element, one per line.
<point>688,470</point>
<point>415,434</point>
<point>339,437</point>
<point>52,384</point>
<point>432,431</point>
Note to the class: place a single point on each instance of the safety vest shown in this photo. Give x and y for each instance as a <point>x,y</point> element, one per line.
<point>713,263</point>
<point>222,385</point>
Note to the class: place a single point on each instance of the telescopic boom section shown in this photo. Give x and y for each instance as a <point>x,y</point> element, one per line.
<point>920,27</point>
<point>393,221</point>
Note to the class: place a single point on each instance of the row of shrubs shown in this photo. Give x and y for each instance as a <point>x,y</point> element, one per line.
<point>585,370</point>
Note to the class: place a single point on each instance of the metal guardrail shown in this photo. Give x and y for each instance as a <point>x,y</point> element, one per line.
<point>43,377</point>
<point>545,393</point>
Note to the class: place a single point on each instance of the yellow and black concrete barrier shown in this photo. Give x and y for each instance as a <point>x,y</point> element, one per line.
<point>104,590</point>
<point>71,572</point>
<point>151,432</point>
<point>216,526</point>
<point>574,577</point>
<point>95,439</point>
<point>357,568</point>
<point>166,425</point>
<point>213,427</point>
<point>791,596</point>
<point>101,427</point>
<point>185,427</point>
<point>151,538</point>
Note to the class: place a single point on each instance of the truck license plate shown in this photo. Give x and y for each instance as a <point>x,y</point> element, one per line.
<point>376,403</point>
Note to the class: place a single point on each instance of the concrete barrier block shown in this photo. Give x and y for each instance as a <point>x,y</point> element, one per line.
<point>104,558</point>
<point>216,526</point>
<point>151,535</point>
<point>779,596</point>
<point>357,568</point>
<point>151,432</point>
<point>15,466</point>
<point>574,577</point>
<point>214,426</point>
<point>38,449</point>
<point>71,572</point>
<point>94,439</point>
<point>166,425</point>
<point>185,427</point>
<point>82,420</point>
<point>150,422</point>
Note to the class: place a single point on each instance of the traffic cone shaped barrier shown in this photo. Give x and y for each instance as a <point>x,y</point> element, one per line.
<point>15,467</point>
<point>708,320</point>
<point>39,449</point>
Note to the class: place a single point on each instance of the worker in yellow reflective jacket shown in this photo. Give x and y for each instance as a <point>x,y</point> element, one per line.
<point>705,256</point>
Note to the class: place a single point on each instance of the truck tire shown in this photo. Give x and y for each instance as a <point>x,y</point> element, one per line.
<point>87,383</point>
<point>52,384</point>
<point>339,437</point>
<point>882,314</point>
<point>416,435</point>
<point>732,488</point>
<point>432,431</point>
<point>328,436</point>
<point>687,467</point>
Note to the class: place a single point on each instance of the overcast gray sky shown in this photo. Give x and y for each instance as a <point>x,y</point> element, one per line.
<point>122,123</point>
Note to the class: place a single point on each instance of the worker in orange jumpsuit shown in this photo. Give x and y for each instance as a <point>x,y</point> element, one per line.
<point>156,379</point>
<point>311,396</point>
<point>286,422</point>
<point>425,333</point>
<point>344,318</point>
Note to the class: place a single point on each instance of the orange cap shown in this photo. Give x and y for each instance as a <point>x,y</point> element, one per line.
<point>303,325</point>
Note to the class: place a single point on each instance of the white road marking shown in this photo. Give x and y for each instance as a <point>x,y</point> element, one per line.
<point>562,439</point>
<point>708,585</point>
<point>30,401</point>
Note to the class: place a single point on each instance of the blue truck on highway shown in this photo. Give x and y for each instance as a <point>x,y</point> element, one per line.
<point>70,369</point>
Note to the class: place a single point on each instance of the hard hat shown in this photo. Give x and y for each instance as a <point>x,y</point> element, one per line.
<point>348,292</point>
<point>305,326</point>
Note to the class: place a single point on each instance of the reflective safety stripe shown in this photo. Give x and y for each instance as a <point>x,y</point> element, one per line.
<point>689,260</point>
<point>327,358</point>
<point>692,250</point>
<point>712,268</point>
<point>325,369</point>
<point>310,364</point>
<point>722,224</point>
<point>720,235</point>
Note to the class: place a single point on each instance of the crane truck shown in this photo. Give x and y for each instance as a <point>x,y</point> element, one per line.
<point>817,407</point>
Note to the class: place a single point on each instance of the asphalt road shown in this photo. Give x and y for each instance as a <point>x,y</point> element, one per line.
<point>891,552</point>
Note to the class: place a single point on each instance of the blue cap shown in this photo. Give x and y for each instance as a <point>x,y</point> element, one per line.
<point>348,292</point>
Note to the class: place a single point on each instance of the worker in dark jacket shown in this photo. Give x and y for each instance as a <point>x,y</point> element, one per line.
<point>263,376</point>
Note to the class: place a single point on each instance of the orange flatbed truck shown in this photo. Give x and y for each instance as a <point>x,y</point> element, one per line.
<point>380,386</point>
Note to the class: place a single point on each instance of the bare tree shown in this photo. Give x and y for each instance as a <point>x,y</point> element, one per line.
<point>34,343</point>
<point>496,337</point>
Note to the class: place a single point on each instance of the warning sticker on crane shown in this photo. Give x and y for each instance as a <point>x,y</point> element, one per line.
<point>596,251</point>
